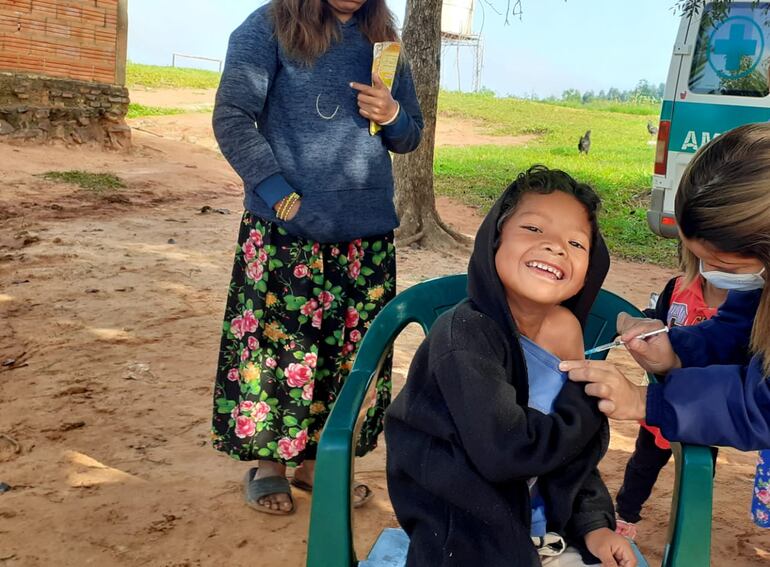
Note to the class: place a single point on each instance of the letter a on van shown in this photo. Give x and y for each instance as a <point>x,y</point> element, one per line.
<point>717,80</point>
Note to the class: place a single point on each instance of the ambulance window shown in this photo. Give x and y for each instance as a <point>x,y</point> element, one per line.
<point>732,52</point>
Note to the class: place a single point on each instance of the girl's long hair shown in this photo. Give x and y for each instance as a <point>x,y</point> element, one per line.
<point>724,201</point>
<point>306,29</point>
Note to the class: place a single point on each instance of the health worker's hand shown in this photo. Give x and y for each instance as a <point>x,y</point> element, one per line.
<point>612,549</point>
<point>375,102</point>
<point>619,398</point>
<point>655,354</point>
<point>294,208</point>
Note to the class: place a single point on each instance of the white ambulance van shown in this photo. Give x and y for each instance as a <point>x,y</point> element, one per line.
<point>718,79</point>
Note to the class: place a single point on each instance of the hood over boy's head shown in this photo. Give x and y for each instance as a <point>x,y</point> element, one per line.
<point>486,289</point>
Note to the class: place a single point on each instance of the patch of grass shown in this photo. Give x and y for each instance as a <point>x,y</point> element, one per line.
<point>139,110</point>
<point>619,165</point>
<point>155,76</point>
<point>91,181</point>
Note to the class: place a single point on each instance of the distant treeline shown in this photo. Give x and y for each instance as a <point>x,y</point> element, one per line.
<point>644,92</point>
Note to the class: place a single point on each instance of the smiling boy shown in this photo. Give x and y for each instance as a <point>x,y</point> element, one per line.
<point>492,455</point>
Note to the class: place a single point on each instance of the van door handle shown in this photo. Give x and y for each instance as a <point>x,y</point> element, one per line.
<point>682,49</point>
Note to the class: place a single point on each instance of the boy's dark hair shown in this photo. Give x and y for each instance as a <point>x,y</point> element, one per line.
<point>543,181</point>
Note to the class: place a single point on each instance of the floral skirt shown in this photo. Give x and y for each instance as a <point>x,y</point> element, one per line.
<point>296,313</point>
<point>760,505</point>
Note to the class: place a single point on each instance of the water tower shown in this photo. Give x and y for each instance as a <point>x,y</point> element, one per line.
<point>457,31</point>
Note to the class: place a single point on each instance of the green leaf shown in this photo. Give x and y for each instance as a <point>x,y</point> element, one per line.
<point>378,258</point>
<point>241,298</point>
<point>318,280</point>
<point>364,315</point>
<point>250,304</point>
<point>330,341</point>
<point>274,263</point>
<point>294,303</point>
<point>225,406</point>
<point>294,431</point>
<point>361,281</point>
<point>290,420</point>
<point>272,445</point>
<point>370,306</point>
<point>377,246</point>
<point>262,286</point>
<point>299,356</point>
<point>264,452</point>
<point>343,260</point>
<point>272,402</point>
<point>367,271</point>
<point>302,319</point>
<point>296,394</point>
<point>262,396</point>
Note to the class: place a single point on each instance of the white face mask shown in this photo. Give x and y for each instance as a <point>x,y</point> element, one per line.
<point>737,282</point>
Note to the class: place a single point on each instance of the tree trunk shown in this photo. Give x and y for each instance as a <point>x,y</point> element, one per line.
<point>415,198</point>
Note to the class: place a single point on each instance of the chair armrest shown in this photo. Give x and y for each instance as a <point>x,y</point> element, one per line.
<point>688,542</point>
<point>330,540</point>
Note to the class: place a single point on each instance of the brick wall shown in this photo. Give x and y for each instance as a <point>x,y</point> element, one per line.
<point>76,39</point>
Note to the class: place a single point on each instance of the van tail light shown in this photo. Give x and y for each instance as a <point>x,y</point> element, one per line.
<point>661,149</point>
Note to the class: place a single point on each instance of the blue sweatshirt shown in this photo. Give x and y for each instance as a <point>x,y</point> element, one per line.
<point>726,403</point>
<point>285,126</point>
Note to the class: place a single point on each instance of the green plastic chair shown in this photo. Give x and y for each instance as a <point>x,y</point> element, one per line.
<point>330,541</point>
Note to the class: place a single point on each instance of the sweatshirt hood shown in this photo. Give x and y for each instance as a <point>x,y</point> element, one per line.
<point>486,290</point>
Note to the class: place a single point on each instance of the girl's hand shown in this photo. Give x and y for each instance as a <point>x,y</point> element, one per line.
<point>619,398</point>
<point>612,549</point>
<point>655,354</point>
<point>376,103</point>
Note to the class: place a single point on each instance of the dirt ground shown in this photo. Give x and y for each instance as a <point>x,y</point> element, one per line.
<point>111,306</point>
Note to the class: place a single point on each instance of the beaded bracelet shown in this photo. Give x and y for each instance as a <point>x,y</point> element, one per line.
<point>287,203</point>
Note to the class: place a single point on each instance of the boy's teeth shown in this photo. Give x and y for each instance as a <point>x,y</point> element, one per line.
<point>547,268</point>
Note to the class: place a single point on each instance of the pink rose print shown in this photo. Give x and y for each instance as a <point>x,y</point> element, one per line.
<point>250,322</point>
<point>297,375</point>
<point>352,252</point>
<point>270,362</point>
<point>348,348</point>
<point>301,271</point>
<point>261,412</point>
<point>311,359</point>
<point>355,335</point>
<point>247,406</point>
<point>245,355</point>
<point>249,251</point>
<point>762,517</point>
<point>262,256</point>
<point>351,317</point>
<point>235,413</point>
<point>317,318</point>
<point>326,299</point>
<point>763,495</point>
<point>236,327</point>
<point>233,375</point>
<point>253,343</point>
<point>255,271</point>
<point>245,427</point>
<point>301,441</point>
<point>256,236</point>
<point>309,308</point>
<point>307,391</point>
<point>354,269</point>
<point>335,252</point>
<point>316,248</point>
<point>286,449</point>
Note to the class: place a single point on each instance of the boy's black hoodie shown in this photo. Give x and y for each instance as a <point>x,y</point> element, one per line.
<point>461,441</point>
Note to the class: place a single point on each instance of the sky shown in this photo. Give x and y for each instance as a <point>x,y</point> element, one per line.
<point>555,45</point>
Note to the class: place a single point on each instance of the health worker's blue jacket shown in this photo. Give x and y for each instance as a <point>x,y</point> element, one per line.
<point>720,396</point>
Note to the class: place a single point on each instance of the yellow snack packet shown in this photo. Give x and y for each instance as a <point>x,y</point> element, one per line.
<point>384,64</point>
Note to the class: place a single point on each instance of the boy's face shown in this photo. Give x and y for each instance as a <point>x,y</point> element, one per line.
<point>543,252</point>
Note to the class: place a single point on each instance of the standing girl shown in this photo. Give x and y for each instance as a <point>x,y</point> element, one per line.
<point>315,260</point>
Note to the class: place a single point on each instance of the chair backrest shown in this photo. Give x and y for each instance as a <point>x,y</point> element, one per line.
<point>330,541</point>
